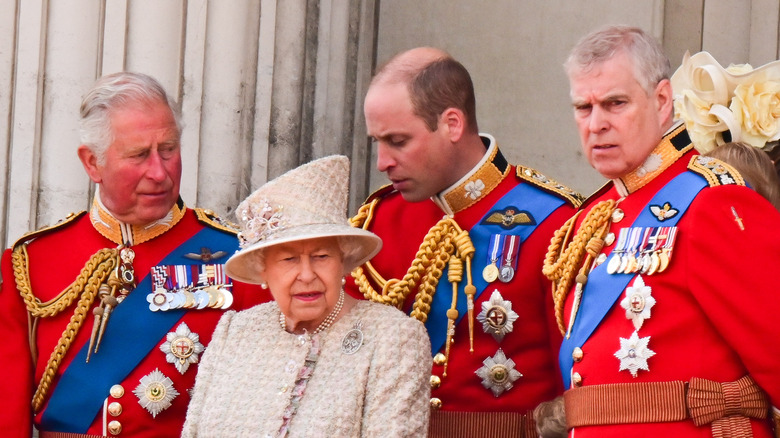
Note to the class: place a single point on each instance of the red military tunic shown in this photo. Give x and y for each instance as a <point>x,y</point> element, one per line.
<point>95,404</point>
<point>709,315</point>
<point>488,202</point>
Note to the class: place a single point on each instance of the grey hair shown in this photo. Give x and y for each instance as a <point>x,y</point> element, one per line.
<point>350,248</point>
<point>651,65</point>
<point>113,92</point>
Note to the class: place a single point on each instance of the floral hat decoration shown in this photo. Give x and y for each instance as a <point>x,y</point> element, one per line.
<point>736,103</point>
<point>307,202</point>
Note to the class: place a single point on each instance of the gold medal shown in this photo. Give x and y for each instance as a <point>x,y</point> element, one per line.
<point>655,263</point>
<point>490,273</point>
<point>664,260</point>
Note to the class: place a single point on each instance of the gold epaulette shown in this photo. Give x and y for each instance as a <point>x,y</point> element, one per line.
<point>71,217</point>
<point>715,171</point>
<point>548,184</point>
<point>211,219</point>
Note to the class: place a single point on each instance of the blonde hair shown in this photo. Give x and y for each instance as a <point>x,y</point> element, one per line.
<point>754,165</point>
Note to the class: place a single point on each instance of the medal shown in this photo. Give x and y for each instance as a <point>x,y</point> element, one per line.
<point>497,316</point>
<point>490,273</point>
<point>615,260</point>
<point>498,373</point>
<point>633,354</point>
<point>511,247</point>
<point>155,392</point>
<point>182,347</point>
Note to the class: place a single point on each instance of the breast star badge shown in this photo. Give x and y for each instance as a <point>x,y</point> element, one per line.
<point>498,373</point>
<point>633,354</point>
<point>638,302</point>
<point>497,316</point>
<point>155,392</point>
<point>182,347</point>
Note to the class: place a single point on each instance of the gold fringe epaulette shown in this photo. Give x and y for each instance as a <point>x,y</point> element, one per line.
<point>70,218</point>
<point>211,219</point>
<point>716,172</point>
<point>536,178</point>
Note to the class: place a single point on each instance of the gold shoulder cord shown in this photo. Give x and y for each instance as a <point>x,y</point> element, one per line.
<point>95,272</point>
<point>560,265</point>
<point>443,240</point>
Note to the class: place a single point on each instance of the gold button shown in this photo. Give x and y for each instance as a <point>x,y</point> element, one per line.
<point>439,359</point>
<point>617,215</point>
<point>114,408</point>
<point>610,239</point>
<point>576,380</point>
<point>114,427</point>
<point>435,404</point>
<point>117,391</point>
<point>435,382</point>
<point>577,354</point>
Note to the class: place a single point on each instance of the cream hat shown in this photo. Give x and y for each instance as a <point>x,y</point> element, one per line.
<point>307,202</point>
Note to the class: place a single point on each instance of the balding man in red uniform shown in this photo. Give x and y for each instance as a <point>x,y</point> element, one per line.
<point>464,237</point>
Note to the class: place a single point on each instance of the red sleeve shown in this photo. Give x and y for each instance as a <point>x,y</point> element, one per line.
<point>732,276</point>
<point>16,367</point>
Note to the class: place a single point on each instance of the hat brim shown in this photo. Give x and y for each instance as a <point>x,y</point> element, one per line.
<point>242,268</point>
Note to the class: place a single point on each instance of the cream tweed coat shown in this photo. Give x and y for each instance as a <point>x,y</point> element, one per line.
<point>244,381</point>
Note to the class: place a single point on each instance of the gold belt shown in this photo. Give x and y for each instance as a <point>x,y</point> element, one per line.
<point>727,406</point>
<point>450,424</point>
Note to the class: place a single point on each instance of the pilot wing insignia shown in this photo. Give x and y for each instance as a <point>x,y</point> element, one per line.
<point>509,218</point>
<point>663,213</point>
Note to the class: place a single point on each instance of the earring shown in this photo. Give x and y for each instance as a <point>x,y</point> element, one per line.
<point>263,286</point>
<point>343,281</point>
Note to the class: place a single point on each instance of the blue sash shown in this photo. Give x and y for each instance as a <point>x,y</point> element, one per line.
<point>132,332</point>
<point>538,203</point>
<point>602,289</point>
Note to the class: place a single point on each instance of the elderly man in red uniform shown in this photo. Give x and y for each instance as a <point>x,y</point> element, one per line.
<point>464,237</point>
<point>104,316</point>
<point>661,280</point>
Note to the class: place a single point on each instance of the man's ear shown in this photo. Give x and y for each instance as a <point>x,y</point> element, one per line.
<point>664,99</point>
<point>454,122</point>
<point>90,162</point>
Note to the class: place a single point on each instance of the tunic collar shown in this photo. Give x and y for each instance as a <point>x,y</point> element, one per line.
<point>478,183</point>
<point>673,145</point>
<point>126,234</point>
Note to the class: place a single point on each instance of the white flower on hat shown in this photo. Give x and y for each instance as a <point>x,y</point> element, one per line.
<point>711,100</point>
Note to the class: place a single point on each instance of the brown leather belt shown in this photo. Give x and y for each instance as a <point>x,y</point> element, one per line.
<point>45,434</point>
<point>445,424</point>
<point>727,406</point>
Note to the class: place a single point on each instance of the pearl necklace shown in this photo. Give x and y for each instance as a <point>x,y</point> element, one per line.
<point>329,320</point>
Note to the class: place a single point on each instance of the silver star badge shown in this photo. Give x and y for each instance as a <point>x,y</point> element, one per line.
<point>156,392</point>
<point>182,347</point>
<point>497,316</point>
<point>498,373</point>
<point>638,302</point>
<point>633,353</point>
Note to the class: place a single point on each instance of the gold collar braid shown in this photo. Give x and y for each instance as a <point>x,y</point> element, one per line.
<point>121,233</point>
<point>95,273</point>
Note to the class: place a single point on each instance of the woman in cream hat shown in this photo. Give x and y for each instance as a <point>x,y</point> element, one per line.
<point>314,362</point>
